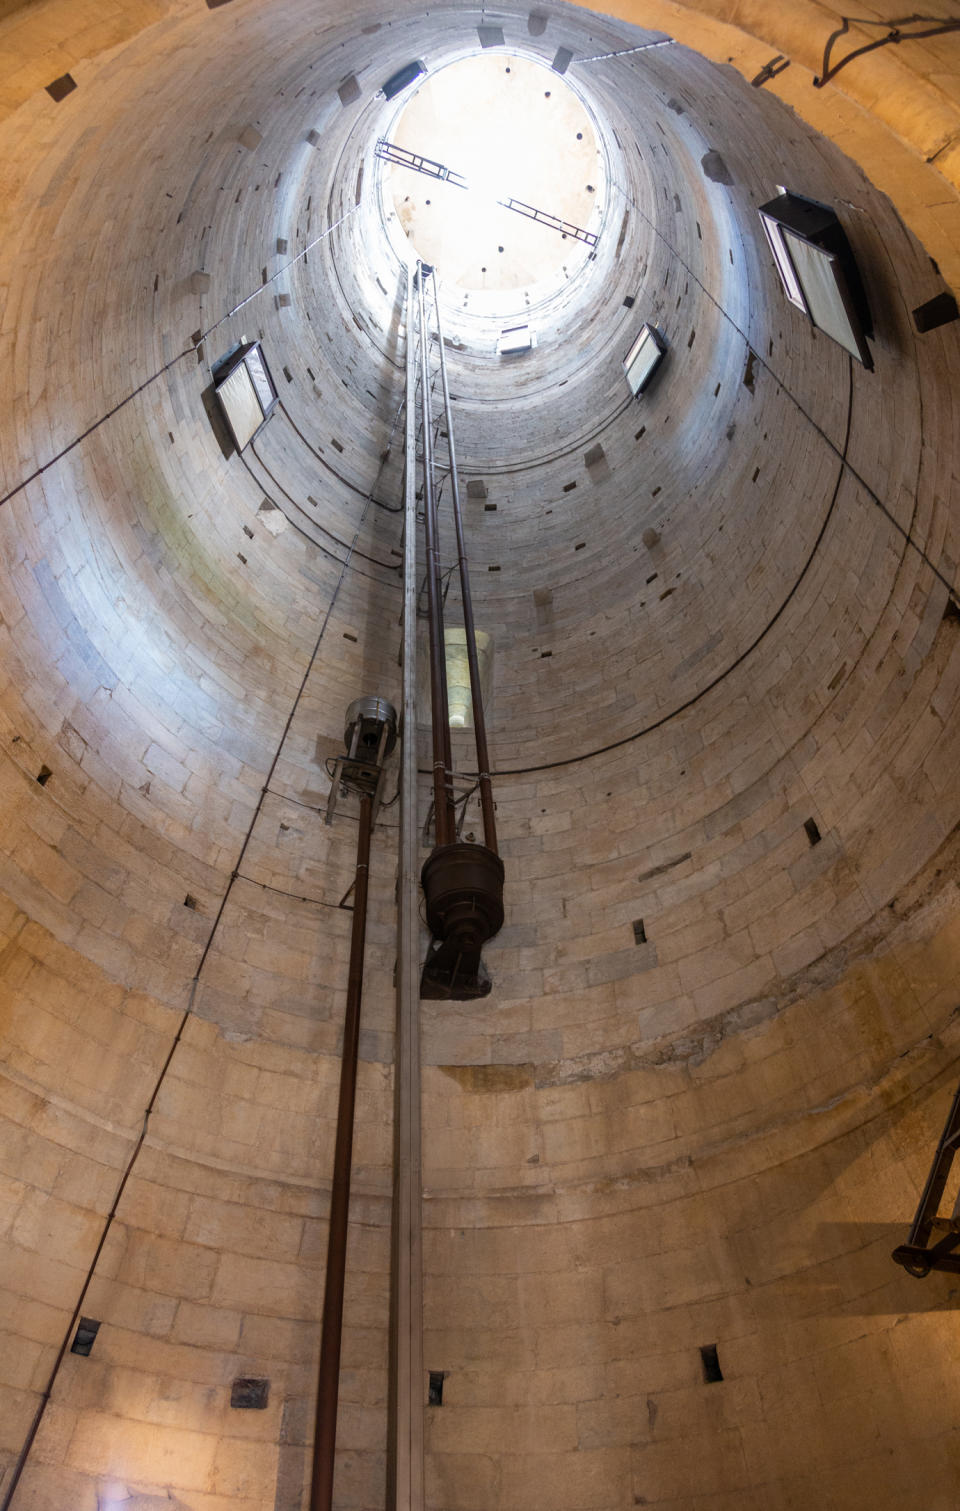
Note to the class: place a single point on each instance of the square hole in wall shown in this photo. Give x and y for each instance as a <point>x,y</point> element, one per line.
<point>435,1390</point>
<point>249,1395</point>
<point>937,311</point>
<point>61,87</point>
<point>710,1359</point>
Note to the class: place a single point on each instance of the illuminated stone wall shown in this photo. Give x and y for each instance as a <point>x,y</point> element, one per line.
<point>708,1131</point>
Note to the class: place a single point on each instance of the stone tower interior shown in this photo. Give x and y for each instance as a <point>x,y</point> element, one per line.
<point>665,1161</point>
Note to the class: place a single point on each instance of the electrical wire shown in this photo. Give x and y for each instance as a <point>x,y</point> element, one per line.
<point>875,498</point>
<point>319,456</point>
<point>189,351</point>
<point>387,566</point>
<point>34,1428</point>
<point>638,734</point>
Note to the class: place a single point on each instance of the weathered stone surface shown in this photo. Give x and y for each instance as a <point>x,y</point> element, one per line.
<point>708,631</point>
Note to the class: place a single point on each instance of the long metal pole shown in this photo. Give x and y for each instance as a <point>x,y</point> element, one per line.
<point>328,1386</point>
<point>445,817</point>
<point>406,1490</point>
<point>476,696</point>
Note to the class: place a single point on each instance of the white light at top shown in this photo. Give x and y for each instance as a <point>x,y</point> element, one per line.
<point>513,129</point>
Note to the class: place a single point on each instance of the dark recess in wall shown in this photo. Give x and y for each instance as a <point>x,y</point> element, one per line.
<point>61,87</point>
<point>710,1359</point>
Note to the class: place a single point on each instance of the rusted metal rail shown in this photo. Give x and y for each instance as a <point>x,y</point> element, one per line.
<point>328,1385</point>
<point>470,633</point>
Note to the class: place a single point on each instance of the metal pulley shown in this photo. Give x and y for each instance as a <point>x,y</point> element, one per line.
<point>370,733</point>
<point>463,888</point>
<point>370,728</point>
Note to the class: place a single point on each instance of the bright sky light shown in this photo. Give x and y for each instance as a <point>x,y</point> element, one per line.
<point>512,127</point>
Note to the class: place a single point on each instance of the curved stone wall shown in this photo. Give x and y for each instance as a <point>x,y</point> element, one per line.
<point>698,1106</point>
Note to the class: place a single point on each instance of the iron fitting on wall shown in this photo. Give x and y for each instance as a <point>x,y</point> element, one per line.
<point>370,721</point>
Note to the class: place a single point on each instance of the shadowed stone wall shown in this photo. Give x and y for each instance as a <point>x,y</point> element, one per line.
<point>699,1104</point>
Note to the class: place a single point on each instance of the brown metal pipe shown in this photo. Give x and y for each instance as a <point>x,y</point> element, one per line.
<point>470,634</point>
<point>328,1385</point>
<point>445,817</point>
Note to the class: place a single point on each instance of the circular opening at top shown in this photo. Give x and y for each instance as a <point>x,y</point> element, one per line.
<point>504,138</point>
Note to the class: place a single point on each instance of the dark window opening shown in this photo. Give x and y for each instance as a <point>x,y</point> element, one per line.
<point>639,932</point>
<point>812,831</point>
<point>44,775</point>
<point>712,1373</point>
<point>435,1397</point>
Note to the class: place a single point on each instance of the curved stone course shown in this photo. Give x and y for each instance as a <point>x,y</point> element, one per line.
<point>700,1102</point>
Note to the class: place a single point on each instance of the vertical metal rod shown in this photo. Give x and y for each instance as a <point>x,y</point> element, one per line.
<point>328,1385</point>
<point>445,817</point>
<point>937,1179</point>
<point>406,1491</point>
<point>476,696</point>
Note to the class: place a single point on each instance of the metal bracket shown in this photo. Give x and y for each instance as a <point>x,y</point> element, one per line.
<point>917,1256</point>
<point>770,70</point>
<point>359,774</point>
<point>894,35</point>
<point>403,158</point>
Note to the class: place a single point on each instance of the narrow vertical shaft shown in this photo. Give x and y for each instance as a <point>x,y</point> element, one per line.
<point>405,1459</point>
<point>476,694</point>
<point>440,716</point>
<point>328,1386</point>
